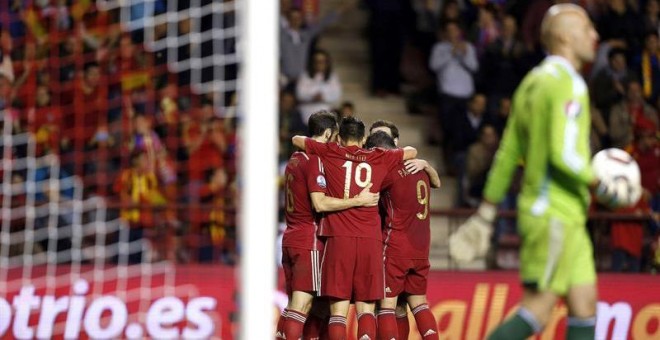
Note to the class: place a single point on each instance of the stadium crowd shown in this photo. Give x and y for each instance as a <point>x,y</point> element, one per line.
<point>112,112</point>
<point>477,55</point>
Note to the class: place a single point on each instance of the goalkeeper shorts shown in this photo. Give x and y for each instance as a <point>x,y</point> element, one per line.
<point>556,253</point>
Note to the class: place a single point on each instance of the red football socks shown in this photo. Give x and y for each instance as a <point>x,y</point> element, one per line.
<point>387,327</point>
<point>426,324</point>
<point>403,325</point>
<point>279,334</point>
<point>366,326</point>
<point>337,327</point>
<point>293,327</point>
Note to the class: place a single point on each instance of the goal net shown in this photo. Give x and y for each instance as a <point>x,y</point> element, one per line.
<point>53,240</point>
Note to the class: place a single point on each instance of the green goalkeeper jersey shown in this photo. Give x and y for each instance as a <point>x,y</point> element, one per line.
<point>548,133</point>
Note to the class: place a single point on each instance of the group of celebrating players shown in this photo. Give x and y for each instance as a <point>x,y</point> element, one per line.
<point>337,249</point>
<point>372,264</point>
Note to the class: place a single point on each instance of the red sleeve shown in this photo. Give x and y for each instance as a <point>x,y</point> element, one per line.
<point>313,147</point>
<point>315,175</point>
<point>393,157</point>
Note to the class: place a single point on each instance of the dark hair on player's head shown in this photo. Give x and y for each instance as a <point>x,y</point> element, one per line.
<point>380,139</point>
<point>387,124</point>
<point>320,121</point>
<point>351,129</point>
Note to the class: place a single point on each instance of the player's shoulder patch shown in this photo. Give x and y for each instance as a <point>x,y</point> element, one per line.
<point>320,180</point>
<point>572,108</point>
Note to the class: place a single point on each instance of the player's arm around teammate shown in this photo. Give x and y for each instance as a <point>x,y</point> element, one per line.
<point>306,192</point>
<point>409,152</point>
<point>352,264</point>
<point>412,165</point>
<point>406,238</point>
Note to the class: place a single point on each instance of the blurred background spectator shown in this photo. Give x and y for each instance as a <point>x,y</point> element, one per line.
<point>454,62</point>
<point>318,88</point>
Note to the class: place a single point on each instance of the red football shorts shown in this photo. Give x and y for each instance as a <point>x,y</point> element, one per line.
<point>406,275</point>
<point>301,269</point>
<point>352,269</point>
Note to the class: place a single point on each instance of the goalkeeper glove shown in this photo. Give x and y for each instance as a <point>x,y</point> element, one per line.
<point>472,239</point>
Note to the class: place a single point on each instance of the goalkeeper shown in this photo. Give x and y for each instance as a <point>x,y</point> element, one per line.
<point>548,131</point>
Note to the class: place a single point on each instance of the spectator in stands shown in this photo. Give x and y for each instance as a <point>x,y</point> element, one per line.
<point>26,68</point>
<point>454,62</point>
<point>285,7</point>
<point>647,65</point>
<point>290,118</point>
<point>7,79</point>
<point>219,243</point>
<point>486,29</point>
<point>652,16</point>
<point>531,23</point>
<point>503,63</point>
<point>347,109</point>
<point>318,88</point>
<point>144,139</point>
<point>132,67</point>
<point>104,164</point>
<point>90,108</point>
<point>138,185</point>
<point>608,86</point>
<point>479,159</point>
<point>386,38</point>
<point>427,20</point>
<point>68,59</point>
<point>58,193</point>
<point>205,144</point>
<point>627,239</point>
<point>466,131</point>
<point>625,114</point>
<point>6,69</point>
<point>502,115</point>
<point>18,201</point>
<point>646,152</point>
<point>599,136</point>
<point>296,41</point>
<point>44,122</point>
<point>620,22</point>
<point>451,11</point>
<point>291,123</point>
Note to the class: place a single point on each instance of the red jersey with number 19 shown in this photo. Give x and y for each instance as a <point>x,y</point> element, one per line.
<point>349,170</point>
<point>303,175</point>
<point>406,199</point>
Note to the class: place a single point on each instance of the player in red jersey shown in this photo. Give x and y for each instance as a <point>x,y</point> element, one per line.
<point>306,189</point>
<point>407,235</point>
<point>352,264</point>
